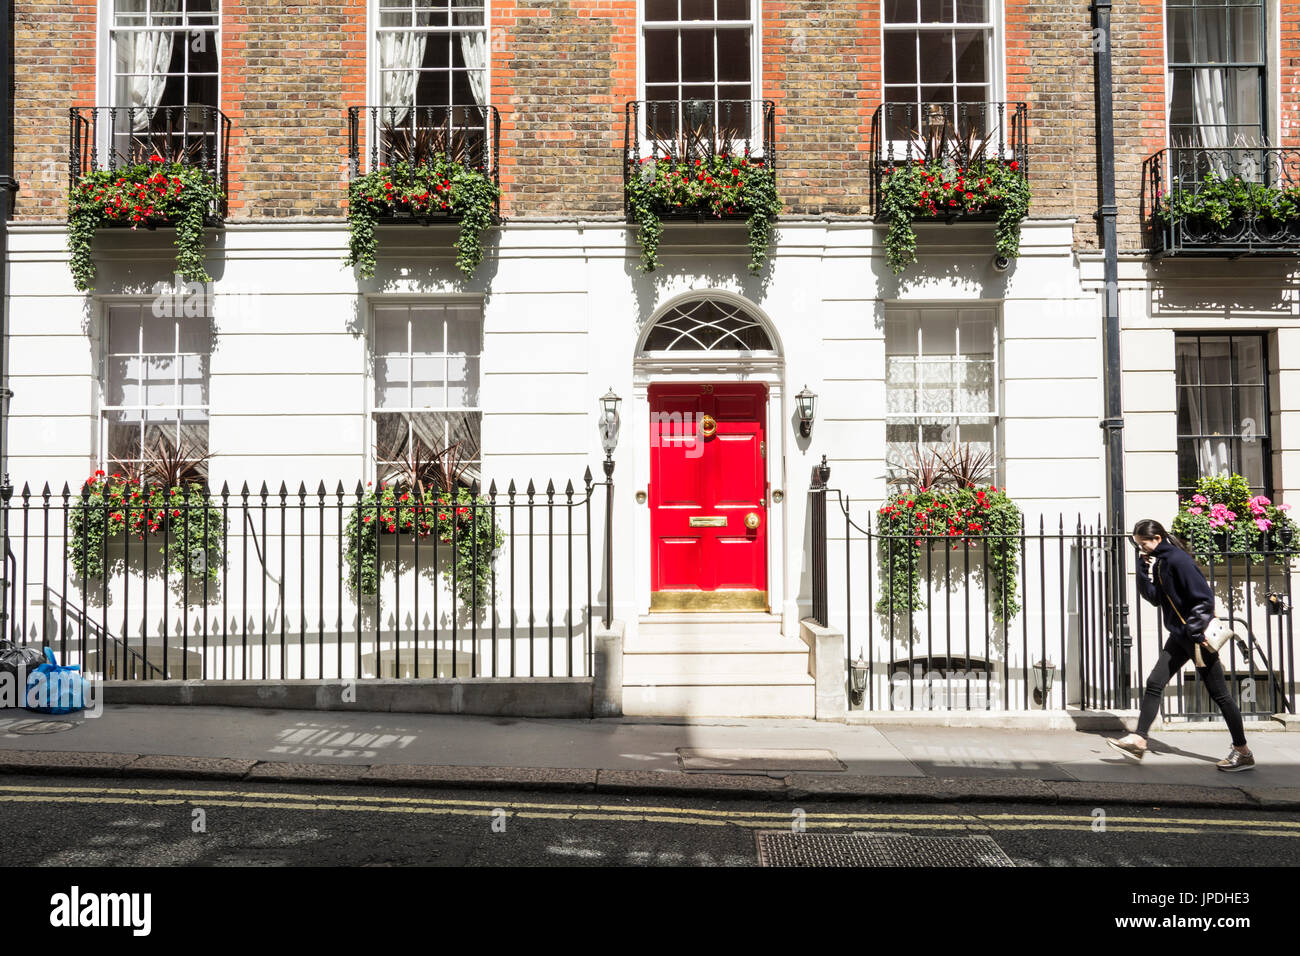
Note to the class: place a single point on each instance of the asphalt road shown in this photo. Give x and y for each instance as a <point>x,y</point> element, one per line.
<point>79,821</point>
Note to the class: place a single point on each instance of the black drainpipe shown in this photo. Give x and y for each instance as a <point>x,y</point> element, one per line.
<point>8,186</point>
<point>1113,423</point>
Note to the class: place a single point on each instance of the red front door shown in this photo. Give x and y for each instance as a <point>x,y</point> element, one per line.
<point>708,495</point>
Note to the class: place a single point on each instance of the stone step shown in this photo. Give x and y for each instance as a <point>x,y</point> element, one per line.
<point>708,625</point>
<point>724,700</point>
<point>706,668</point>
<point>718,644</point>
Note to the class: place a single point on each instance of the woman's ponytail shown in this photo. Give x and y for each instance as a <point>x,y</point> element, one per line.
<point>1148,528</point>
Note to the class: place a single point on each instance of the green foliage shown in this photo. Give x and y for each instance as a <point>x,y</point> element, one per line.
<point>976,517</point>
<point>438,186</point>
<point>458,521</point>
<point>918,190</point>
<point>1219,201</point>
<point>111,507</point>
<point>1221,519</point>
<point>722,185</point>
<point>170,193</point>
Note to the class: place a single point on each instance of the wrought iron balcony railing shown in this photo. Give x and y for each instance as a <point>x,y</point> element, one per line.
<point>690,130</point>
<point>958,133</point>
<point>114,137</point>
<point>1233,201</point>
<point>388,135</point>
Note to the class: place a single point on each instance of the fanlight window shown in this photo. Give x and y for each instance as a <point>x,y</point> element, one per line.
<point>707,325</point>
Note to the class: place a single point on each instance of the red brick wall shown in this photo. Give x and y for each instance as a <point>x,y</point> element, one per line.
<point>1289,74</point>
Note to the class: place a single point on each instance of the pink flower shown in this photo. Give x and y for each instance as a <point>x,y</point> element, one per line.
<point>1200,499</point>
<point>1263,524</point>
<point>1283,507</point>
<point>1194,511</point>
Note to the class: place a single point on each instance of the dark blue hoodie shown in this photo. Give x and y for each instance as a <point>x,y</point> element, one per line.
<point>1175,578</point>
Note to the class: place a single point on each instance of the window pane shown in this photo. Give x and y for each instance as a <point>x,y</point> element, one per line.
<point>1188,464</point>
<point>697,55</point>
<point>936,11</point>
<point>939,334</point>
<point>697,9</point>
<point>464,333</point>
<point>462,382</point>
<point>972,11</point>
<point>159,335</point>
<point>124,331</point>
<point>900,57</point>
<point>1246,34</point>
<point>194,435</point>
<point>936,56</point>
<point>1187,398</point>
<point>900,400</point>
<point>733,9</point>
<point>427,329</point>
<point>1217,415</point>
<point>1250,406</point>
<point>1180,35</point>
<point>661,9</point>
<point>972,63</point>
<point>976,394</point>
<point>194,334</point>
<point>391,436</point>
<point>900,11</point>
<point>1216,364</point>
<point>1185,361</point>
<point>390,331</point>
<point>427,382</point>
<point>976,334</point>
<point>123,376</point>
<point>733,55</point>
<point>661,56</point>
<point>1253,464</point>
<point>1211,35</point>
<point>899,371</point>
<point>194,379</point>
<point>1214,456</point>
<point>123,438</point>
<point>900,333</point>
<point>1249,359</point>
<point>391,382</point>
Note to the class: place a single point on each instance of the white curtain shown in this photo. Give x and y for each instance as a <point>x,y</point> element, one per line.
<point>400,56</point>
<point>148,54</point>
<point>473,47</point>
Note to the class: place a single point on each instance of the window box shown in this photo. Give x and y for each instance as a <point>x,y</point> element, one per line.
<point>701,160</point>
<point>1222,202</point>
<point>171,173</point>
<point>426,165</point>
<point>949,162</point>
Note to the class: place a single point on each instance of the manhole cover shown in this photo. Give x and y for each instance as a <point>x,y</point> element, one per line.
<point>779,848</point>
<point>38,727</point>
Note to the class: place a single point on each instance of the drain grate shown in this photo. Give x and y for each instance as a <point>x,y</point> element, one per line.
<point>780,848</point>
<point>38,727</point>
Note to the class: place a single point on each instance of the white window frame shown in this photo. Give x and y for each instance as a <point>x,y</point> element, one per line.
<point>374,82</point>
<point>105,69</point>
<point>755,64</point>
<point>996,60</point>
<point>994,414</point>
<point>374,307</point>
<point>107,306</point>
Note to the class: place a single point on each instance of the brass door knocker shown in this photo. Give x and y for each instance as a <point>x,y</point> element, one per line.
<point>708,427</point>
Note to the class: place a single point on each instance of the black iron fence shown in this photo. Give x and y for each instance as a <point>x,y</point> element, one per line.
<point>112,137</point>
<point>683,131</point>
<point>1229,201</point>
<point>144,584</point>
<point>419,135</point>
<point>1063,627</point>
<point>960,134</point>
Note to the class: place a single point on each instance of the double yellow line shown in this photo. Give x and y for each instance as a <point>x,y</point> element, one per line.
<point>613,813</point>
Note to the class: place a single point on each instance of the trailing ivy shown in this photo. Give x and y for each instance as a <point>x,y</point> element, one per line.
<point>184,518</point>
<point>928,190</point>
<point>722,185</point>
<point>1222,519</point>
<point>156,192</point>
<point>439,186</point>
<point>457,520</point>
<point>975,517</point>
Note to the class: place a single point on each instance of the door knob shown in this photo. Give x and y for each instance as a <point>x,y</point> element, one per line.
<point>751,520</point>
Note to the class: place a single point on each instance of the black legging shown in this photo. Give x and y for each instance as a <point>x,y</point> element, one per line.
<point>1177,652</point>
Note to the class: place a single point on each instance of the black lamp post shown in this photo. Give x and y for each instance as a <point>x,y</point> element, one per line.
<point>609,423</point>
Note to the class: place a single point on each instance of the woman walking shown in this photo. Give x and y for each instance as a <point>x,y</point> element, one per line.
<point>1169,579</point>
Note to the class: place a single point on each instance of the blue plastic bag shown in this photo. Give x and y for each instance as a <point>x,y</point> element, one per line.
<point>52,689</point>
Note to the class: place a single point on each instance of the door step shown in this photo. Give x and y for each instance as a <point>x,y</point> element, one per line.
<point>716,665</point>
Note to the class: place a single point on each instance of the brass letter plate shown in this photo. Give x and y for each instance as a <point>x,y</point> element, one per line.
<point>710,521</point>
